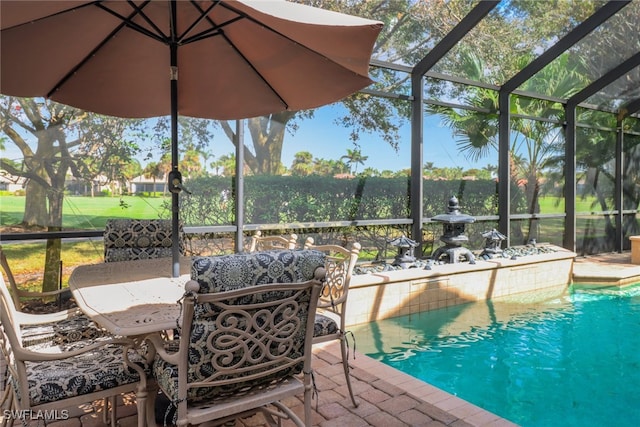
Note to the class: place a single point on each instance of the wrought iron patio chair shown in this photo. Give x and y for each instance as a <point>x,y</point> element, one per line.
<point>240,352</point>
<point>265,243</point>
<point>331,316</point>
<point>62,373</point>
<point>53,327</point>
<point>58,328</point>
<point>64,327</point>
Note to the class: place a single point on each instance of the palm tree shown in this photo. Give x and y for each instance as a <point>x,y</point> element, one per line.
<point>190,162</point>
<point>164,167</point>
<point>370,172</point>
<point>354,157</point>
<point>329,167</point>
<point>225,164</point>
<point>535,144</point>
<point>302,164</point>
<point>492,170</point>
<point>152,170</point>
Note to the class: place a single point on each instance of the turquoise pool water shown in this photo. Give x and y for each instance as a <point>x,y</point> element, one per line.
<point>567,360</point>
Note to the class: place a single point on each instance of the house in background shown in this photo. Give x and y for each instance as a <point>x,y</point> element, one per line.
<point>12,183</point>
<point>143,184</point>
<point>99,184</point>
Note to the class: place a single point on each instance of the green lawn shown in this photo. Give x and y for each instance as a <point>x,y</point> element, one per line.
<point>551,204</point>
<point>84,213</point>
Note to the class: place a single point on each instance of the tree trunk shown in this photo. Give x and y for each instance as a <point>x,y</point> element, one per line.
<point>267,136</point>
<point>533,201</point>
<point>35,206</point>
<point>52,264</point>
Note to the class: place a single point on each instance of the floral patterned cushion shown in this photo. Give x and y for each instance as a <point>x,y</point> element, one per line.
<point>75,328</point>
<point>324,325</point>
<point>131,239</point>
<point>213,350</point>
<point>126,254</point>
<point>229,272</point>
<point>89,372</point>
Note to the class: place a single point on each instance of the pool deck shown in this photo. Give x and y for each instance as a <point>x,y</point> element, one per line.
<point>608,270</point>
<point>387,397</point>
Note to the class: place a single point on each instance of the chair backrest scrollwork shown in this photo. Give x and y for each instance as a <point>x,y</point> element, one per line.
<point>265,243</point>
<point>243,340</point>
<point>340,262</point>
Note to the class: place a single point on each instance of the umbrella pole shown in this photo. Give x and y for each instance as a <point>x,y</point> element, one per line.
<point>175,195</point>
<point>239,196</point>
<point>175,236</point>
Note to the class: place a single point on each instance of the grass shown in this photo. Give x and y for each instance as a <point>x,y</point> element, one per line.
<point>27,258</point>
<point>90,213</point>
<point>550,204</point>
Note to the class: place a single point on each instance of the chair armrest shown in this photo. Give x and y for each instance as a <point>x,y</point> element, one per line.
<point>44,355</point>
<point>23,318</point>
<point>30,294</point>
<point>158,347</point>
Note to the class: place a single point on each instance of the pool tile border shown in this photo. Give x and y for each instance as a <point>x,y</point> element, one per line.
<point>377,296</point>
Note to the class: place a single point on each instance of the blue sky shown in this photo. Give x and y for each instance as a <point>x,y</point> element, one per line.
<point>328,140</point>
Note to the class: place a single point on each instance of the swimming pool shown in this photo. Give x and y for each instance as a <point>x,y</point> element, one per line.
<point>542,360</point>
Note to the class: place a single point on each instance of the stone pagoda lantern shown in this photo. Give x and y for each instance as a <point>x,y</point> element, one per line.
<point>405,257</point>
<point>453,237</point>
<point>493,240</point>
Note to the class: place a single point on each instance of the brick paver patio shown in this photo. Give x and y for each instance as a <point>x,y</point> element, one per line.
<point>387,398</point>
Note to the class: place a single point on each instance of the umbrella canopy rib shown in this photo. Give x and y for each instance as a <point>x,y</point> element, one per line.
<point>204,15</point>
<point>128,22</point>
<point>83,61</point>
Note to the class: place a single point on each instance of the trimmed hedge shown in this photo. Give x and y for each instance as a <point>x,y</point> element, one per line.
<point>292,199</point>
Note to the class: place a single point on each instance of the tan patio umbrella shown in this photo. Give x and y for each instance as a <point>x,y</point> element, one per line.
<point>199,58</point>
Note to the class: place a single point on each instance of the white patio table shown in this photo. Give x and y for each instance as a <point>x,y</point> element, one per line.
<point>132,299</point>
